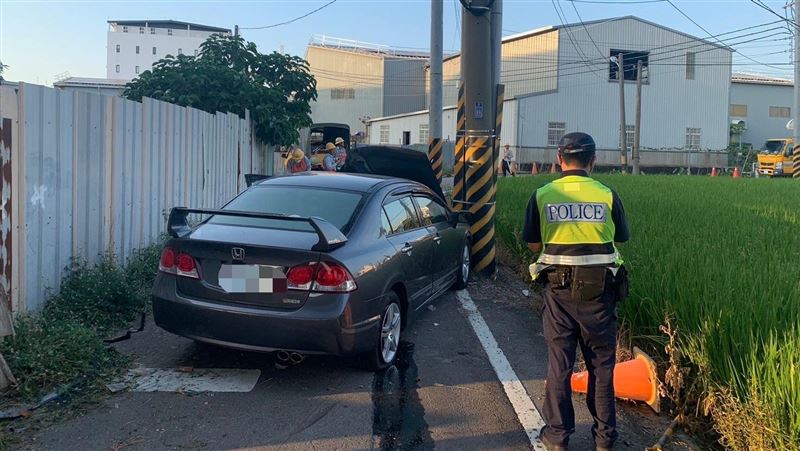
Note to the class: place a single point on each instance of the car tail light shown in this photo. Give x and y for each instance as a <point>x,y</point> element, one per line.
<point>321,277</point>
<point>178,263</point>
<point>300,277</point>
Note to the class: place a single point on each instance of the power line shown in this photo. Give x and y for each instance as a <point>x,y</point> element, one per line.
<point>557,6</point>
<point>292,20</point>
<point>709,33</point>
<point>586,29</point>
<point>618,2</point>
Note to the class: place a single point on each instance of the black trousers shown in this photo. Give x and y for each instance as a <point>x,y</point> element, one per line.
<point>507,168</point>
<point>592,325</point>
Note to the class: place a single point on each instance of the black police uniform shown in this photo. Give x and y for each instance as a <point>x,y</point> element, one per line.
<point>570,320</point>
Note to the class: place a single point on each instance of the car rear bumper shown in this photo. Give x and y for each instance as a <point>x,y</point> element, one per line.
<point>323,325</point>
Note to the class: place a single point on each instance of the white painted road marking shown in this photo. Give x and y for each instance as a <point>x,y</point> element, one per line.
<point>196,380</point>
<point>527,414</point>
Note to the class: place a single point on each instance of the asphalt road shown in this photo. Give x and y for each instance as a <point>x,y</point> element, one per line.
<point>443,394</point>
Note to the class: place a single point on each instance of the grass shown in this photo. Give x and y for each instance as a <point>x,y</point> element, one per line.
<point>720,256</point>
<point>61,347</point>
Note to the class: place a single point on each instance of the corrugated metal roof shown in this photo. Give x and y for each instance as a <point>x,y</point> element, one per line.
<point>759,79</point>
<point>91,82</point>
<point>168,23</point>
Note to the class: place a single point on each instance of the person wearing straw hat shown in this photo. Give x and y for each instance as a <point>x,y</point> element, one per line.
<point>508,161</point>
<point>298,162</point>
<point>575,222</point>
<point>329,161</point>
<point>341,153</point>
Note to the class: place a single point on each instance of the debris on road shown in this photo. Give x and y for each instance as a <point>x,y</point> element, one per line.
<point>187,380</point>
<point>526,293</point>
<point>431,308</point>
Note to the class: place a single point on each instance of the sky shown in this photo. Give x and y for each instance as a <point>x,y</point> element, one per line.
<point>41,39</point>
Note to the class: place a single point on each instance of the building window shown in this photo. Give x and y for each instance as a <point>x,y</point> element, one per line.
<point>137,49</point>
<point>555,130</point>
<point>137,69</point>
<point>124,28</point>
<point>343,93</point>
<point>152,31</point>
<point>154,50</point>
<point>690,65</point>
<point>169,31</point>
<point>693,136</point>
<point>630,59</point>
<point>423,133</point>
<point>117,48</point>
<point>384,136</point>
<point>738,110</point>
<point>141,30</point>
<point>630,131</point>
<point>117,68</point>
<point>780,111</point>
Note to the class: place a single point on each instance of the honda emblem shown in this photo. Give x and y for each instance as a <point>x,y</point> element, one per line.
<point>237,253</point>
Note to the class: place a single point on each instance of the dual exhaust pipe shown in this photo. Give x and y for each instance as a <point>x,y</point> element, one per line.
<point>289,358</point>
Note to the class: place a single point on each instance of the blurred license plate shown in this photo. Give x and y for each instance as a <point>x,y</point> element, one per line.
<point>252,279</point>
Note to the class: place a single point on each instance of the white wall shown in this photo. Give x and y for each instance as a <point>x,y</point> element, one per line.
<point>186,40</point>
<point>758,98</point>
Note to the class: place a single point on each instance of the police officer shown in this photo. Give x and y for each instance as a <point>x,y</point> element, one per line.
<point>574,221</point>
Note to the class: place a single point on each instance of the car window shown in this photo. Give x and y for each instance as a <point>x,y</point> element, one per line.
<point>336,207</point>
<point>402,215</point>
<point>387,228</point>
<point>431,212</point>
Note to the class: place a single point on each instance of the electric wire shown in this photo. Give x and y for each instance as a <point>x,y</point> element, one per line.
<point>292,20</point>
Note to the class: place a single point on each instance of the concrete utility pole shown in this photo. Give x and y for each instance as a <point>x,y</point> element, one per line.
<point>236,30</point>
<point>623,147</point>
<point>479,103</point>
<point>435,155</point>
<point>638,127</point>
<point>796,128</point>
<point>497,58</point>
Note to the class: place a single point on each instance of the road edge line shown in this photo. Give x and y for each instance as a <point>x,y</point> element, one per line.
<point>527,414</point>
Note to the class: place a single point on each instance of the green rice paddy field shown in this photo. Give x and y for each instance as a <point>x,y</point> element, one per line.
<point>721,256</point>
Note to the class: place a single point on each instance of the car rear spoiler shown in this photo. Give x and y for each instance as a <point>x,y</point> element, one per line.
<point>249,179</point>
<point>330,237</point>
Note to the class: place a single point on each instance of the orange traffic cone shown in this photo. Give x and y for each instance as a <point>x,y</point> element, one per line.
<point>713,172</point>
<point>634,379</point>
<point>736,173</point>
<point>535,168</point>
<point>553,169</point>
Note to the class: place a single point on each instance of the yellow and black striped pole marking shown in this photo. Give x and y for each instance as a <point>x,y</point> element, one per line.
<point>436,158</point>
<point>483,155</point>
<point>796,161</point>
<point>459,176</point>
<point>481,176</point>
<point>498,123</point>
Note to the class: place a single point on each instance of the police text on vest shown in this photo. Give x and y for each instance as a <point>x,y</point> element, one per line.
<point>576,212</point>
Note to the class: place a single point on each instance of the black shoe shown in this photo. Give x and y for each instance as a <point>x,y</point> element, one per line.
<point>550,445</point>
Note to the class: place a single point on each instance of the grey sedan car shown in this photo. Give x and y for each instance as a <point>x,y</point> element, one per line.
<point>314,263</point>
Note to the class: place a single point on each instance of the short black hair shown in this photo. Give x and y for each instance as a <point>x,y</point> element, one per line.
<point>582,159</point>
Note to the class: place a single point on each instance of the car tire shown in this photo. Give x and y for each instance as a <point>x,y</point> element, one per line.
<point>464,268</point>
<point>387,342</point>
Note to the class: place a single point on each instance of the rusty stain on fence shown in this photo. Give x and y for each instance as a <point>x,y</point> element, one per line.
<point>5,209</point>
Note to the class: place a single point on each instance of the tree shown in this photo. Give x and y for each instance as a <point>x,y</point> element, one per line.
<point>229,74</point>
<point>3,68</point>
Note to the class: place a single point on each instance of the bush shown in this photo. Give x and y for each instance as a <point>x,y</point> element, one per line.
<point>141,271</point>
<point>48,353</point>
<point>99,297</point>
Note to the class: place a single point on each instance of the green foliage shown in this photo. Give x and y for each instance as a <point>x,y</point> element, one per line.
<point>98,297</point>
<point>64,343</point>
<point>3,68</point>
<point>230,75</point>
<point>47,353</point>
<point>717,254</point>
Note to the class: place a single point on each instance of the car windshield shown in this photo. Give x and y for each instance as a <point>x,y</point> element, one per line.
<point>773,147</point>
<point>336,207</point>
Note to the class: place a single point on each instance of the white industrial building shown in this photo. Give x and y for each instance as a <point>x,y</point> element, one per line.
<point>764,104</point>
<point>133,46</point>
<point>560,79</point>
<point>357,81</point>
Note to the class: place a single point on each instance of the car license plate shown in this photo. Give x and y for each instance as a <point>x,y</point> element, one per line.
<point>252,279</point>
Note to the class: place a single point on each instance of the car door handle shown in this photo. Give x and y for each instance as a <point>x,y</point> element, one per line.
<point>437,239</point>
<point>407,249</point>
